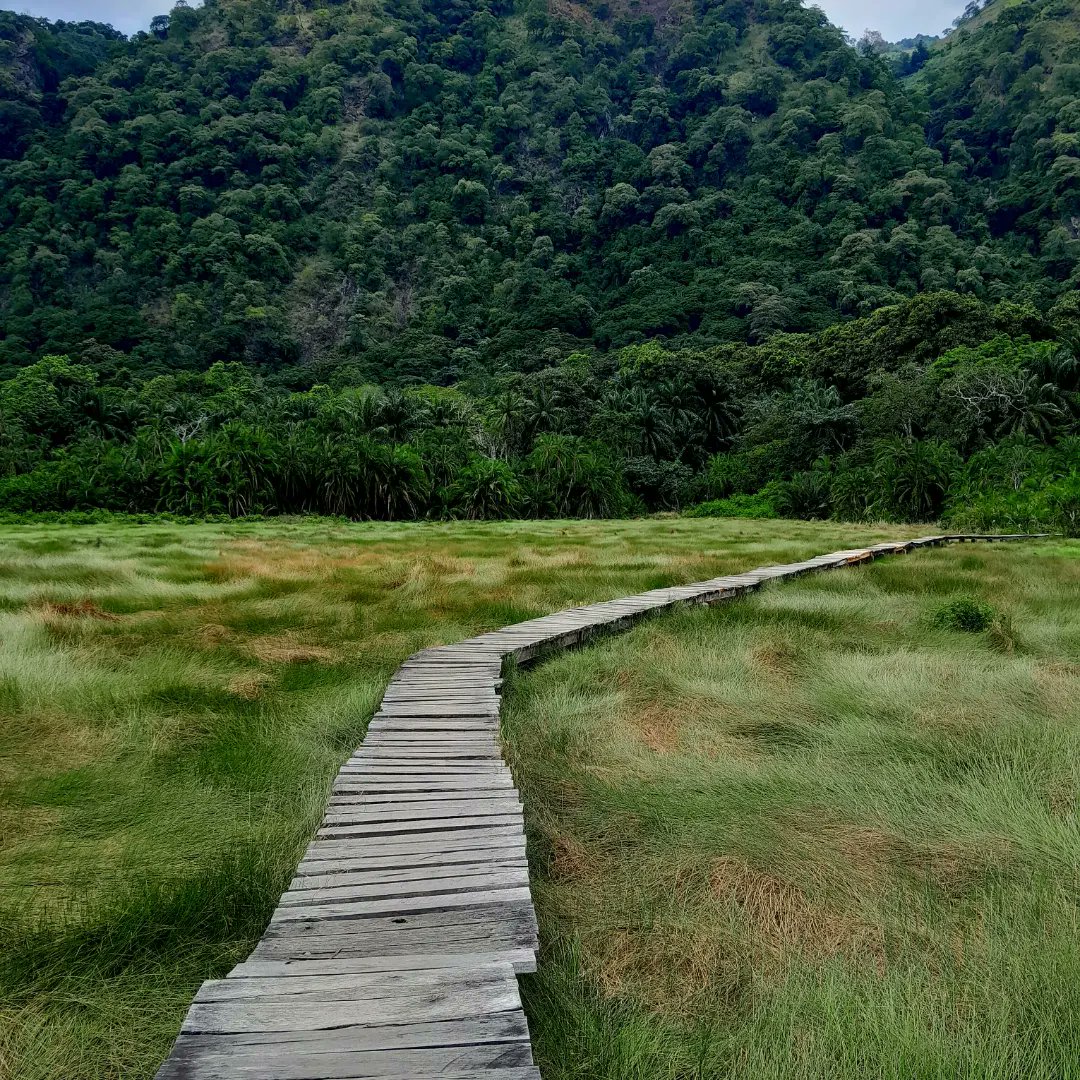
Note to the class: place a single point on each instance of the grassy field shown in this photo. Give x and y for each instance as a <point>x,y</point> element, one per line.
<point>821,832</point>
<point>174,701</point>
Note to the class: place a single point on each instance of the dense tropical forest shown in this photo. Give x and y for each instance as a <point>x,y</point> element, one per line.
<point>493,258</point>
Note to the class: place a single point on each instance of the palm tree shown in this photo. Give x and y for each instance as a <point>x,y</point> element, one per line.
<point>246,459</point>
<point>509,418</point>
<point>398,415</point>
<point>1034,408</point>
<point>485,488</point>
<point>683,409</point>
<point>650,421</point>
<point>397,482</point>
<point>717,412</point>
<point>542,410</point>
<point>914,476</point>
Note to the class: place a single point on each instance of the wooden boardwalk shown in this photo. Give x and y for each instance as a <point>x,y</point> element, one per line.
<point>395,951</point>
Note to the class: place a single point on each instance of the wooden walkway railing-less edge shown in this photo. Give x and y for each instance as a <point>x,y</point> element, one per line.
<point>395,951</point>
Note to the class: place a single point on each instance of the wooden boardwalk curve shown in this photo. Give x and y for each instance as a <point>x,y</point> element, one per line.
<point>395,951</point>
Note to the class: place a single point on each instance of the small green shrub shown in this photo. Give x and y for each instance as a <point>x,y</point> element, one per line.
<point>736,506</point>
<point>966,614</point>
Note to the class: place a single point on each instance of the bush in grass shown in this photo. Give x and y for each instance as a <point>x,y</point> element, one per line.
<point>965,613</point>
<point>737,506</point>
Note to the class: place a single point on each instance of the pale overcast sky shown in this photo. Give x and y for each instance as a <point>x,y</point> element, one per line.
<point>899,19</point>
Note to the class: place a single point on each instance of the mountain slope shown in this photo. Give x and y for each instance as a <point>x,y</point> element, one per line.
<point>429,191</point>
<point>1004,99</point>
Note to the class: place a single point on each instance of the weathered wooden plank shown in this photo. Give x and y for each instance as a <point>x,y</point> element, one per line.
<point>465,836</point>
<point>349,985</point>
<point>275,1063</point>
<point>385,735</point>
<point>432,693</point>
<point>426,800</point>
<point>437,789</point>
<point>415,935</point>
<point>366,763</point>
<point>321,892</point>
<point>346,875</point>
<point>340,965</point>
<point>502,1027</point>
<point>357,855</point>
<point>272,1013</point>
<point>424,748</point>
<point>429,834</point>
<point>419,772</point>
<point>484,923</point>
<point>404,905</point>
<point>341,810</point>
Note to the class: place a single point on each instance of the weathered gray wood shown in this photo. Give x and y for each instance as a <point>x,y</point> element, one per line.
<point>457,1000</point>
<point>339,965</point>
<point>339,811</point>
<point>436,789</point>
<point>416,799</point>
<point>395,832</point>
<point>388,764</point>
<point>462,884</point>
<point>273,1063</point>
<point>384,844</point>
<point>357,855</point>
<point>500,1027</point>
<point>395,937</point>
<point>347,986</point>
<point>404,905</point>
<point>346,875</point>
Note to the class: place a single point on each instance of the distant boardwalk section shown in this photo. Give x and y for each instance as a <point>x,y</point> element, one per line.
<point>395,951</point>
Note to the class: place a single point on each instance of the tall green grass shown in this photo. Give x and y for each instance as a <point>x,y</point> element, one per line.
<point>175,700</point>
<point>819,832</point>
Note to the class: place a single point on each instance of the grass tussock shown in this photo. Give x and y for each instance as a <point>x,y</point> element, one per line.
<point>820,832</point>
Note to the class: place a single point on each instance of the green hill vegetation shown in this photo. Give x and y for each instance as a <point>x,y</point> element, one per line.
<point>397,259</point>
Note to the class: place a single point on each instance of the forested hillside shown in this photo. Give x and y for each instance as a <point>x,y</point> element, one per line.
<point>436,190</point>
<point>515,199</point>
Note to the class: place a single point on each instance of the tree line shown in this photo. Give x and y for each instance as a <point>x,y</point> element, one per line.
<point>942,407</point>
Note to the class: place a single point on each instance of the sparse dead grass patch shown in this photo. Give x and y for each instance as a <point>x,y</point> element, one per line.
<point>287,649</point>
<point>77,609</point>
<point>780,918</point>
<point>658,726</point>
<point>250,685</point>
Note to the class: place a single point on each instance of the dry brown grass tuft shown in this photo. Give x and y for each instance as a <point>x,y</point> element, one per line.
<point>658,726</point>
<point>250,685</point>
<point>571,860</point>
<point>867,853</point>
<point>776,658</point>
<point>23,824</point>
<point>75,609</point>
<point>1056,681</point>
<point>284,562</point>
<point>955,868</point>
<point>286,649</point>
<point>783,919</point>
<point>213,634</point>
<point>1062,798</point>
<point>671,969</point>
